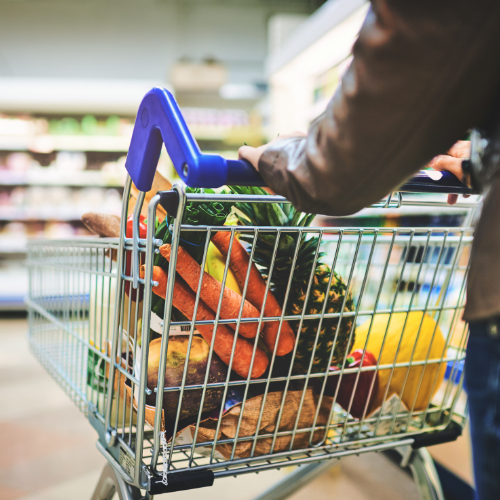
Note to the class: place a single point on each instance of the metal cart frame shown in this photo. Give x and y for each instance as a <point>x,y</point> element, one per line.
<point>89,316</point>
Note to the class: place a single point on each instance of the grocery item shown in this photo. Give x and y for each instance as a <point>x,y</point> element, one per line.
<point>215,265</point>
<point>105,225</point>
<point>160,183</point>
<point>184,300</point>
<point>210,291</point>
<point>285,215</point>
<point>357,391</point>
<point>143,228</point>
<point>255,292</point>
<point>421,381</point>
<point>261,415</point>
<point>195,375</point>
<point>196,213</point>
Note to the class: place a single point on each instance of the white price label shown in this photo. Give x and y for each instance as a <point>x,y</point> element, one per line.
<point>433,174</point>
<point>395,416</point>
<point>157,326</point>
<point>156,323</point>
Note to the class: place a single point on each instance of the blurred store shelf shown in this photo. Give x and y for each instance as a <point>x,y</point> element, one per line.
<point>55,167</point>
<point>40,214</point>
<point>50,143</point>
<point>53,177</point>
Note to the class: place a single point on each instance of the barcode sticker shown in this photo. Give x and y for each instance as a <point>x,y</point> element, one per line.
<point>157,326</point>
<point>126,461</point>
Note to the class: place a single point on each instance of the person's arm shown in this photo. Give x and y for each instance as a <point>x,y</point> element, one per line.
<point>423,73</point>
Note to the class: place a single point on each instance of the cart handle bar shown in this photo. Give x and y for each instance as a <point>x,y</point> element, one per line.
<point>159,120</point>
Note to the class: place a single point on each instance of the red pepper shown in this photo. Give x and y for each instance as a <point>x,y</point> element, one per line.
<point>143,228</point>
<point>360,404</point>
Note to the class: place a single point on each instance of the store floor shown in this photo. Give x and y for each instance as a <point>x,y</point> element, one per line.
<point>47,448</point>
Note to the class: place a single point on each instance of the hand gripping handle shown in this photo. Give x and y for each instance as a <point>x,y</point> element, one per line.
<point>159,121</point>
<point>431,181</point>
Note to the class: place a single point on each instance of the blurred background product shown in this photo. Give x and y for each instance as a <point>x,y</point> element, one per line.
<point>71,80</point>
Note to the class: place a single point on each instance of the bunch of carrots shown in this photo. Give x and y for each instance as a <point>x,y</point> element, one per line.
<point>248,357</point>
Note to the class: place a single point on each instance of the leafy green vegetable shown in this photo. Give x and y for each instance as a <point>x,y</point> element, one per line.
<point>200,213</point>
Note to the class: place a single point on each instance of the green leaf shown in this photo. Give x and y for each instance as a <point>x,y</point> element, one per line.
<point>261,213</point>
<point>295,219</point>
<point>309,218</point>
<point>276,215</point>
<point>287,208</point>
<point>269,239</point>
<point>286,243</point>
<point>249,212</point>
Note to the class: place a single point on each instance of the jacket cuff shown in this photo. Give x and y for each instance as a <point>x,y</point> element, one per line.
<point>273,163</point>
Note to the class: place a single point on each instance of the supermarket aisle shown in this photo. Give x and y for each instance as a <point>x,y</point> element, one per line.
<point>47,448</point>
<point>45,441</point>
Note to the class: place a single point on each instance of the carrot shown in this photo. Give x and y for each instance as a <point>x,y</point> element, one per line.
<point>256,289</point>
<point>190,270</point>
<point>184,300</point>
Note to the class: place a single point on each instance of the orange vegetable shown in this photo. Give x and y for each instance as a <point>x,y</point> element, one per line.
<point>190,271</point>
<point>239,260</point>
<point>184,300</point>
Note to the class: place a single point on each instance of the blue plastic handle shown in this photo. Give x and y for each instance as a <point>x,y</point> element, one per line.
<point>430,181</point>
<point>159,121</point>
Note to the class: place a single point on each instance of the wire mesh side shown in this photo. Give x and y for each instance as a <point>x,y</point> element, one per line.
<point>415,278</point>
<point>358,283</point>
<point>71,296</point>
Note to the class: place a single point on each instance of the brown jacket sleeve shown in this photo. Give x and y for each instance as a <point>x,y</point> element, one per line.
<point>424,71</point>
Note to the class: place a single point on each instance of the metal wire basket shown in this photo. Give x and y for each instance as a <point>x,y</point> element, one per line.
<point>90,325</point>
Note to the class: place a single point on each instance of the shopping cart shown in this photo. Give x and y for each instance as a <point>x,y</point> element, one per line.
<point>90,324</point>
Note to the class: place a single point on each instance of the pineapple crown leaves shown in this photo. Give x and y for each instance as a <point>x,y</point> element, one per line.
<point>281,215</point>
<point>272,214</point>
<point>308,266</point>
<point>269,214</point>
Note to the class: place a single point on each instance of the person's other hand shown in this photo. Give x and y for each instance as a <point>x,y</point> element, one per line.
<point>452,162</point>
<point>253,154</point>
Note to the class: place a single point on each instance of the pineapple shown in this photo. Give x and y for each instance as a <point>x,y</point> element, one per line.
<point>286,216</point>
